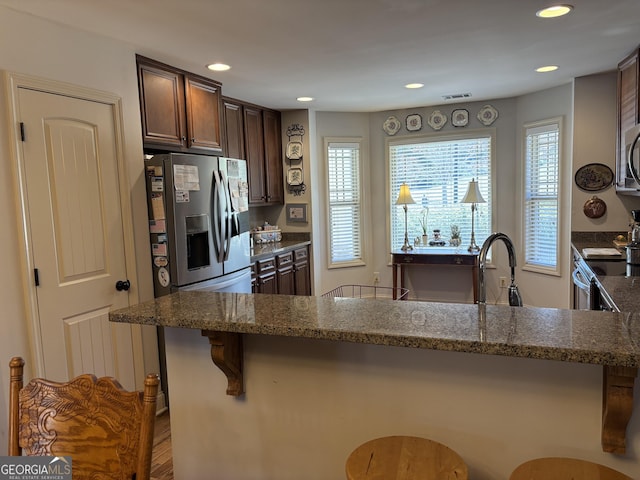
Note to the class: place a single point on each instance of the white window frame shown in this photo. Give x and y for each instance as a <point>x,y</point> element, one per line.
<point>489,133</point>
<point>356,143</point>
<point>533,128</point>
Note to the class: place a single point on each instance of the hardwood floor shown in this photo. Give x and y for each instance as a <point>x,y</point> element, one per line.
<point>162,460</point>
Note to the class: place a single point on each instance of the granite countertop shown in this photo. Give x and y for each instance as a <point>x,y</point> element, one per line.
<point>262,250</point>
<point>601,338</point>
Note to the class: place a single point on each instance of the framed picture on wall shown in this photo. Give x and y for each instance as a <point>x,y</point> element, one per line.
<point>297,212</point>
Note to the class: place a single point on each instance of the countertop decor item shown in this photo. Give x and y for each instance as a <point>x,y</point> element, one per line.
<point>473,196</point>
<point>391,125</point>
<point>460,117</point>
<point>487,115</point>
<point>413,122</point>
<point>404,199</point>
<point>437,120</point>
<point>594,207</point>
<point>594,177</point>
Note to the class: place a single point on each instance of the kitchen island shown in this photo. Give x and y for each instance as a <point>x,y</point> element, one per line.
<point>308,379</point>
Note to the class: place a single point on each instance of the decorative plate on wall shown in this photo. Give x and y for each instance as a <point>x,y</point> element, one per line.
<point>487,115</point>
<point>460,117</point>
<point>594,177</point>
<point>391,125</point>
<point>594,207</point>
<point>414,122</point>
<point>437,119</point>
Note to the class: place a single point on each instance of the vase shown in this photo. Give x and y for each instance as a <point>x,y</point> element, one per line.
<point>455,242</point>
<point>425,239</point>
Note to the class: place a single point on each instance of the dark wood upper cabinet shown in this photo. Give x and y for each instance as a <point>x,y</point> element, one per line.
<point>234,126</point>
<point>273,156</point>
<point>628,107</point>
<point>253,133</point>
<point>180,111</point>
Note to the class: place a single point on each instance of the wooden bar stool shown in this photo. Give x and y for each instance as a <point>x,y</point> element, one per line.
<point>557,468</point>
<point>405,458</point>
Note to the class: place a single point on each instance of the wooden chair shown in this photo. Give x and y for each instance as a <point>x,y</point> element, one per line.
<point>558,468</point>
<point>405,458</point>
<point>107,431</point>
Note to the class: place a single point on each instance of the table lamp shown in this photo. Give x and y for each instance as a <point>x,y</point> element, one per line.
<point>405,198</point>
<point>473,197</point>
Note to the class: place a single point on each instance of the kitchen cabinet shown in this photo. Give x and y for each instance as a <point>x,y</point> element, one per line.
<point>628,108</point>
<point>301,271</point>
<point>181,111</point>
<point>286,273</point>
<point>254,133</point>
<point>265,276</point>
<point>286,280</point>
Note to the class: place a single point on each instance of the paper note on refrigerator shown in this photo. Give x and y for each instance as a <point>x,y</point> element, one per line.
<point>185,177</point>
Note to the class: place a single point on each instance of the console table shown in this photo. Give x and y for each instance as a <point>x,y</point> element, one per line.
<point>457,257</point>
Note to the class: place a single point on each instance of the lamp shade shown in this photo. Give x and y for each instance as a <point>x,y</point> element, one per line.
<point>473,194</point>
<point>404,197</point>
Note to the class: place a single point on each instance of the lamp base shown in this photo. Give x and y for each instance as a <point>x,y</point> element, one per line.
<point>406,247</point>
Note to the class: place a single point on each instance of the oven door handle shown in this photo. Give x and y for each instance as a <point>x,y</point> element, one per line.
<point>577,280</point>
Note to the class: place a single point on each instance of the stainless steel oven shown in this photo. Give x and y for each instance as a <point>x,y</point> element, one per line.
<point>586,291</point>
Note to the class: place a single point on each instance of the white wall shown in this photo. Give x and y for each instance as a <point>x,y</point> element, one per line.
<point>31,46</point>
<point>309,403</point>
<point>594,141</point>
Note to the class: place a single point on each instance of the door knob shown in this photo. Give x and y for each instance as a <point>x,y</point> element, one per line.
<point>123,285</point>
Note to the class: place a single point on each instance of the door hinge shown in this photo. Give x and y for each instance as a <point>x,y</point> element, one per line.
<point>22,131</point>
<point>36,277</point>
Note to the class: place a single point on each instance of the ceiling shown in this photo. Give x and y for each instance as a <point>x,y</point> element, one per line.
<point>357,55</point>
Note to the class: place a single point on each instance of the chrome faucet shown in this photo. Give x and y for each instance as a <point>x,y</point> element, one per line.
<point>514,295</point>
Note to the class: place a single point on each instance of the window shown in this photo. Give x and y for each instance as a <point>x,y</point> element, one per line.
<point>541,196</point>
<point>438,171</point>
<point>345,208</point>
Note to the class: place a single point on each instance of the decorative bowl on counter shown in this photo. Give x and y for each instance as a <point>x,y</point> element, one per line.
<point>266,236</point>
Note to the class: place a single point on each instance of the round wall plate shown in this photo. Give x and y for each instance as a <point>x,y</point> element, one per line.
<point>487,115</point>
<point>437,120</point>
<point>460,117</point>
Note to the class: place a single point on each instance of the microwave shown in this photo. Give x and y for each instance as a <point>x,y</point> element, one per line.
<point>628,181</point>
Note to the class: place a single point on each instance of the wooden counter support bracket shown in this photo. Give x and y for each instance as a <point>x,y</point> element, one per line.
<point>617,406</point>
<point>227,354</point>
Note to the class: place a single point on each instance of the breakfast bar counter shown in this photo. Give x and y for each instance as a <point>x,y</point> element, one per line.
<point>541,358</point>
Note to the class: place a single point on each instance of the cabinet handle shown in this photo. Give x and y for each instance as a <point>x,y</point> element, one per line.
<point>184,139</point>
<point>193,140</point>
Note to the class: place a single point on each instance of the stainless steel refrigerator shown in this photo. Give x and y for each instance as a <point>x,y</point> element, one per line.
<point>199,227</point>
<point>198,223</point>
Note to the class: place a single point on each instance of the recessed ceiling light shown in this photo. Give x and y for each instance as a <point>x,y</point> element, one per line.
<point>547,68</point>
<point>218,67</point>
<point>305,99</point>
<point>414,85</point>
<point>554,11</point>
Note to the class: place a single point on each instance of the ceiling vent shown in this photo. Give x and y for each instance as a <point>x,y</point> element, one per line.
<point>456,96</point>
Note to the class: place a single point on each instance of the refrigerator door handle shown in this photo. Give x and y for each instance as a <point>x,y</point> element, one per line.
<point>218,217</point>
<point>227,214</point>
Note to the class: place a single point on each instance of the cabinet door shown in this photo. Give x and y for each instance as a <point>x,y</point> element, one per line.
<point>267,283</point>
<point>273,156</point>
<point>628,105</point>
<point>234,129</point>
<point>203,114</point>
<point>286,279</point>
<point>302,272</point>
<point>162,107</point>
<point>254,150</point>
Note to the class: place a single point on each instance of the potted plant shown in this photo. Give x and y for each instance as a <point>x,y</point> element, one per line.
<point>455,239</point>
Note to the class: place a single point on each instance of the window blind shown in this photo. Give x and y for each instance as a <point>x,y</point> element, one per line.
<point>541,201</point>
<point>438,172</point>
<point>345,210</point>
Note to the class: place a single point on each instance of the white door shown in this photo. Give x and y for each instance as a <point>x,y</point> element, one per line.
<point>75,233</point>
